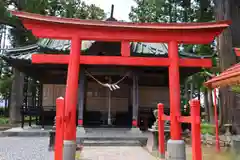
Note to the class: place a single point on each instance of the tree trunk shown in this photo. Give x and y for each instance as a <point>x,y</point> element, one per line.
<point>226,10</point>
<point>191,88</point>
<point>186,94</point>
<point>16,97</point>
<point>206,105</point>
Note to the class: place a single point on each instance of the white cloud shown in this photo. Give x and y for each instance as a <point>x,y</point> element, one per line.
<point>121,7</point>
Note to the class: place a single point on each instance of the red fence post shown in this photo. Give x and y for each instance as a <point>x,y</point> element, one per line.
<point>59,128</point>
<point>161,143</point>
<point>196,130</point>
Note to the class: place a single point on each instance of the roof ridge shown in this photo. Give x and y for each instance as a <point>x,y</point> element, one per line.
<point>22,48</point>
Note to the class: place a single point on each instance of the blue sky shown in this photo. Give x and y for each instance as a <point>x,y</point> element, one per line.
<point>121,7</point>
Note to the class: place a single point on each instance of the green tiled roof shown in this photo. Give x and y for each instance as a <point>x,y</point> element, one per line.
<point>48,46</point>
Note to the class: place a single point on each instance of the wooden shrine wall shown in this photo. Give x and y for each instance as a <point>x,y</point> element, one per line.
<point>236,113</point>
<point>97,95</point>
<point>97,98</point>
<point>51,92</point>
<point>149,97</point>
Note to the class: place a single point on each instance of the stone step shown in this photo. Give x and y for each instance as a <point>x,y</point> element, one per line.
<point>112,136</point>
<point>111,143</point>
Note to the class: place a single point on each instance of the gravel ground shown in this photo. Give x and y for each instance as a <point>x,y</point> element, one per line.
<point>18,148</point>
<point>36,148</point>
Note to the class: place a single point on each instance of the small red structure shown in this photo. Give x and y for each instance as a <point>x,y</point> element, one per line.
<point>77,30</point>
<point>237,51</point>
<point>228,77</point>
<point>195,121</point>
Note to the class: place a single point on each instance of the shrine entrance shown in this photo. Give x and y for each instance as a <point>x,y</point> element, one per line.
<point>105,106</point>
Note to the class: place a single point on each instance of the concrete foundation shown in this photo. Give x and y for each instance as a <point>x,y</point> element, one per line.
<point>175,150</point>
<point>69,150</point>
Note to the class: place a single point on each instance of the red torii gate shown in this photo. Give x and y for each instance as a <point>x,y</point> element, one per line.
<point>77,30</point>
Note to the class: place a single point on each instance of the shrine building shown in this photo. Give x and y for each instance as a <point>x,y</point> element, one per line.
<point>123,70</point>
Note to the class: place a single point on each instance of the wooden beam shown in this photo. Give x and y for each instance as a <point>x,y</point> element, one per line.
<point>55,31</point>
<point>125,48</point>
<point>65,28</point>
<point>119,60</point>
<point>195,62</point>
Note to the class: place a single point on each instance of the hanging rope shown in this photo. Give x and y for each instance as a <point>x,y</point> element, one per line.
<point>113,86</point>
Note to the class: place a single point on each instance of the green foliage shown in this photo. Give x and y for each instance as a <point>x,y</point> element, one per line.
<point>5,86</point>
<point>236,88</point>
<point>207,129</point>
<point>171,11</point>
<point>148,11</point>
<point>4,120</point>
<point>67,8</point>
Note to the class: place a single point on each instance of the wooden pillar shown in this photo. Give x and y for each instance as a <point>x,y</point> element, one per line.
<point>72,89</point>
<point>135,101</point>
<point>174,89</point>
<point>81,97</point>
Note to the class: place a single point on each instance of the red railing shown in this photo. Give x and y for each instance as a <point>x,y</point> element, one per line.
<point>195,121</point>
<point>60,106</point>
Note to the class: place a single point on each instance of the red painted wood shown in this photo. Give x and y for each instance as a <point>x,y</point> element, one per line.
<point>61,28</point>
<point>196,130</point>
<point>116,24</point>
<point>58,152</point>
<point>118,60</point>
<point>72,89</point>
<point>161,139</point>
<point>124,61</point>
<point>197,36</point>
<point>125,48</point>
<point>174,90</point>
<point>165,118</point>
<point>192,62</point>
<point>237,51</point>
<point>227,74</point>
<point>80,122</point>
<point>134,123</point>
<point>224,76</point>
<point>50,59</point>
<point>184,119</point>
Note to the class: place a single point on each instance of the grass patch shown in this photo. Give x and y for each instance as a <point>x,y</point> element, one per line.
<point>4,120</point>
<point>207,128</point>
<point>27,118</point>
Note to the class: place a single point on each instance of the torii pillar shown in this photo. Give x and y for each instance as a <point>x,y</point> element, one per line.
<point>69,142</point>
<point>175,146</point>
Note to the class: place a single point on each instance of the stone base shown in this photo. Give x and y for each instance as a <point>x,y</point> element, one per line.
<point>135,131</point>
<point>236,147</point>
<point>152,145</point>
<point>69,150</point>
<point>81,129</point>
<point>111,136</point>
<point>176,150</point>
